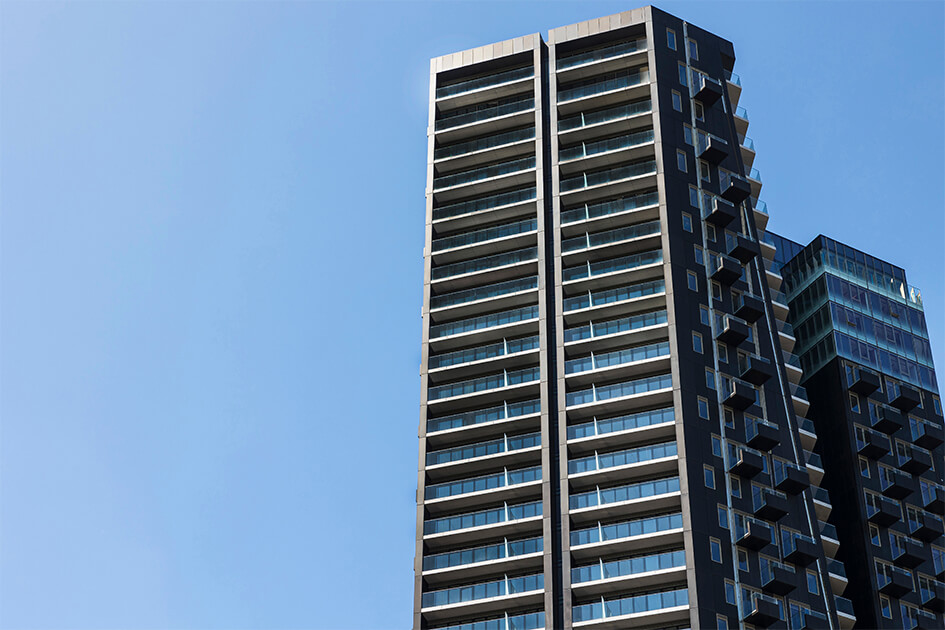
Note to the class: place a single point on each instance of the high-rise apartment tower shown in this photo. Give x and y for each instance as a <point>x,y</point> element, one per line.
<point>612,430</point>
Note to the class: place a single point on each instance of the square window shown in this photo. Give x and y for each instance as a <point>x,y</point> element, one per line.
<point>885,607</point>
<point>681,161</point>
<point>699,111</point>
<point>715,550</point>
<point>697,342</point>
<point>717,446</point>
<point>703,408</point>
<point>683,75</point>
<point>700,259</point>
<point>730,593</point>
<point>693,50</point>
<point>677,101</point>
<point>812,584</point>
<point>854,403</point>
<point>704,172</point>
<point>687,222</point>
<point>723,516</point>
<point>704,315</point>
<point>735,485</point>
<point>693,280</point>
<point>709,474</point>
<point>742,560</point>
<point>710,232</point>
<point>710,379</point>
<point>671,39</point>
<point>864,467</point>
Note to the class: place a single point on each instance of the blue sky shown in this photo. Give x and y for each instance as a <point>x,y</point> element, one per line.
<point>212,225</point>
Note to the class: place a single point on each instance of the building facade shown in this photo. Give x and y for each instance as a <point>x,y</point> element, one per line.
<point>613,431</point>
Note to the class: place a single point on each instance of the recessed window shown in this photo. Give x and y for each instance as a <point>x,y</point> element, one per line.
<point>693,50</point>
<point>730,592</point>
<point>710,379</point>
<point>735,486</point>
<point>885,607</point>
<point>681,161</point>
<point>875,537</point>
<point>703,408</point>
<point>721,622</point>
<point>709,474</point>
<point>700,260</point>
<point>716,292</point>
<point>704,172</point>
<point>692,280</point>
<point>677,101</point>
<point>687,222</point>
<point>693,196</point>
<point>812,584</point>
<point>717,446</point>
<point>704,315</point>
<point>699,111</point>
<point>854,403</point>
<point>864,467</point>
<point>671,39</point>
<point>722,350</point>
<point>715,550</point>
<point>937,405</point>
<point>687,134</point>
<point>729,418</point>
<point>723,516</point>
<point>697,342</point>
<point>742,560</point>
<point>683,75</point>
<point>710,232</point>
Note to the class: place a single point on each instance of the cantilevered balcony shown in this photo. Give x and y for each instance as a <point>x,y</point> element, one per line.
<point>738,394</point>
<point>603,90</point>
<point>907,552</point>
<point>924,525</point>
<point>914,460</point>
<point>882,511</point>
<point>492,116</point>
<point>746,462</point>
<point>589,124</point>
<point>903,397</point>
<point>588,185</point>
<point>768,504</point>
<point>790,478</point>
<point>893,581</point>
<point>719,212</point>
<point>926,434</point>
<point>895,483</point>
<point>706,90</point>
<point>754,369</point>
<point>798,549</point>
<point>862,381</point>
<point>872,444</point>
<point>749,307</point>
<point>741,248</point>
<point>932,496</point>
<point>710,148</point>
<point>732,330</point>
<point>605,152</point>
<point>726,270</point>
<point>736,189</point>
<point>752,533</point>
<point>762,611</point>
<point>582,63</point>
<point>932,595</point>
<point>761,434</point>
<point>777,578</point>
<point>885,419</point>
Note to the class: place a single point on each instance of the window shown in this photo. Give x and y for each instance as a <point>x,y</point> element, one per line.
<point>729,418</point>
<point>697,342</point>
<point>687,222</point>
<point>687,134</point>
<point>704,172</point>
<point>937,405</point>
<point>693,49</point>
<point>710,379</point>
<point>730,592</point>
<point>723,516</point>
<point>703,408</point>
<point>710,232</point>
<point>704,315</point>
<point>735,485</point>
<point>693,196</point>
<point>864,467</point>
<point>717,446</point>
<point>683,75</point>
<point>716,292</point>
<point>875,538</point>
<point>715,550</point>
<point>693,280</point>
<point>742,560</point>
<point>700,259</point>
<point>721,622</point>
<point>709,474</point>
<point>681,161</point>
<point>677,101</point>
<point>722,350</point>
<point>671,39</point>
<point>812,585</point>
<point>885,607</point>
<point>854,403</point>
<point>698,109</point>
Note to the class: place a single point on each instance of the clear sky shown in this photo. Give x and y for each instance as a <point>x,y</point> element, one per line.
<point>212,226</point>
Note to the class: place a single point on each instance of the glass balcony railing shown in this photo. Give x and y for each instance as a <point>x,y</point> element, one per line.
<point>599,54</point>
<point>617,357</point>
<point>608,237</point>
<point>485,263</point>
<point>828,530</point>
<point>746,142</point>
<point>740,524</point>
<point>759,206</point>
<point>610,296</point>
<point>731,77</point>
<point>480,353</point>
<point>767,567</point>
<point>617,390</point>
<point>741,112</point>
<point>611,265</point>
<point>484,321</point>
<point>508,76</point>
<point>504,411</point>
<point>588,149</point>
<point>604,115</point>
<point>482,144</point>
<point>485,235</point>
<point>525,621</point>
<point>844,605</point>
<point>504,444</point>
<point>484,292</point>
<point>485,383</point>
<point>502,514</point>
<point>626,529</point>
<point>607,176</point>
<point>601,461</point>
<point>621,423</point>
<point>484,204</point>
<point>485,111</point>
<point>601,570</point>
<point>483,590</point>
<point>632,604</point>
<point>760,494</point>
<point>614,326</point>
<point>492,481</point>
<point>483,172</point>
<point>789,541</point>
<point>755,174</point>
<point>614,206</point>
<point>603,83</point>
<point>627,492</point>
<point>822,495</point>
<point>505,549</point>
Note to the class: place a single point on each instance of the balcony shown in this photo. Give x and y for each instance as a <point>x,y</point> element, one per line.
<point>732,330</point>
<point>790,479</point>
<point>472,526</point>
<point>614,499</point>
<point>763,611</point>
<point>753,534</point>
<point>807,432</point>
<point>614,391</point>
<point>642,294</point>
<point>904,397</point>
<point>637,571</point>
<point>736,189</point>
<point>609,267</point>
<point>741,121</point>
<point>738,394</point>
<point>488,555</point>
<point>478,180</point>
<point>845,612</point>
<point>822,504</point>
<point>837,573</point>
<point>893,581</point>
<point>664,608</point>
<point>514,110</point>
<point>586,185</point>
<point>711,148</point>
<point>754,178</point>
<point>815,466</point>
<point>603,90</point>
<point>925,620</point>
<point>604,152</point>
<point>484,484</point>
<point>777,578</point>
<point>484,269</point>
<point>862,381</point>
<point>749,307</point>
<point>727,270</point>
<point>798,549</point>
<point>613,466</point>
<point>493,596</point>
<point>872,444</point>
<point>754,369</point>
<point>810,620</point>
<point>742,248</point>
<point>926,434</point>
<point>719,212</point>
<point>907,552</point>
<point>932,595</point>
<point>613,212</point>
<point>933,496</point>
<point>490,81</point>
<point>913,459</point>
<point>640,534</point>
<point>589,124</point>
<point>706,90</point>
<point>895,483</point>
<point>761,434</point>
<point>746,463</point>
<point>484,384</point>
<point>768,504</point>
<point>925,526</point>
<point>882,511</point>
<point>612,52</point>
<point>500,206</point>
<point>734,85</point>
<point>885,419</point>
